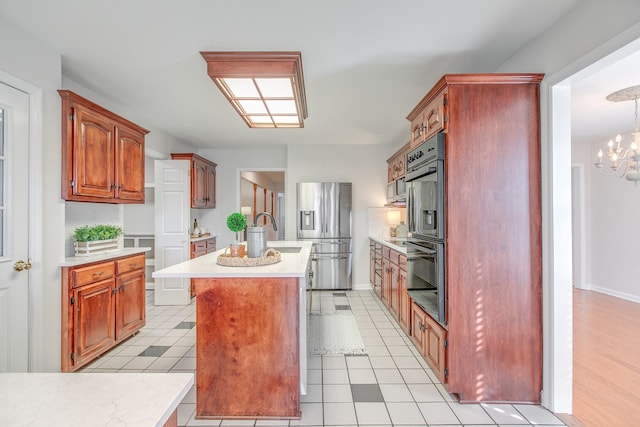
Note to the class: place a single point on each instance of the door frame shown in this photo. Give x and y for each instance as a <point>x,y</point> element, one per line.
<point>35,142</point>
<point>579,231</point>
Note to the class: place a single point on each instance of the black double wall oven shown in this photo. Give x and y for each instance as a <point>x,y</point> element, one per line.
<point>426,222</point>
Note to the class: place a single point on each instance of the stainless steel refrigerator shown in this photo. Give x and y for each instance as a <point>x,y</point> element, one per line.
<point>324,216</point>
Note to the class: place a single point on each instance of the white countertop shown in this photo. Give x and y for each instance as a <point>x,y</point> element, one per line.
<point>386,241</point>
<point>79,260</point>
<point>197,239</point>
<point>205,266</point>
<point>91,399</point>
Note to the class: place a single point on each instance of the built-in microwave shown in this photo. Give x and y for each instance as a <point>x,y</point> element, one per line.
<point>397,191</point>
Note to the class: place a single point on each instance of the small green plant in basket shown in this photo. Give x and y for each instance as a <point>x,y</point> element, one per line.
<point>96,232</point>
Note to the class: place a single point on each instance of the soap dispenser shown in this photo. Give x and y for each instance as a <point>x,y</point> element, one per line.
<point>196,228</point>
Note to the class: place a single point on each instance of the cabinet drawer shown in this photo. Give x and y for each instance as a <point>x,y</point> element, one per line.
<point>93,273</point>
<point>385,252</point>
<point>402,261</point>
<point>199,246</point>
<point>394,256</point>
<point>211,244</point>
<point>130,264</point>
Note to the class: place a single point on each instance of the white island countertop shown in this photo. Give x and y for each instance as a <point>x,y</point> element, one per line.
<point>205,266</point>
<point>91,399</point>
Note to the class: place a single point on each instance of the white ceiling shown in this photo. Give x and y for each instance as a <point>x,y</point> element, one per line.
<point>366,63</point>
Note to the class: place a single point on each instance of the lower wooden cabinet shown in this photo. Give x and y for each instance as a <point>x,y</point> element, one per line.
<point>103,303</point>
<point>199,248</point>
<point>430,339</point>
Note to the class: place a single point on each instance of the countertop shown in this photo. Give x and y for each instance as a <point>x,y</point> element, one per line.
<point>79,260</point>
<point>91,399</point>
<point>387,241</point>
<point>205,266</point>
<point>197,239</point>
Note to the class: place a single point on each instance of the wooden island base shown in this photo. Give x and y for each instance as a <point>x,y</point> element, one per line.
<point>247,347</point>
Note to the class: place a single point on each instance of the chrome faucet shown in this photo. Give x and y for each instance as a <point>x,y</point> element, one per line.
<point>273,221</point>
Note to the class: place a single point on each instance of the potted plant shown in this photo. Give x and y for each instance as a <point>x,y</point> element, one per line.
<point>91,240</point>
<point>236,222</point>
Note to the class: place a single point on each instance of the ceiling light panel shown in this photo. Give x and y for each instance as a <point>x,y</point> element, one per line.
<point>265,88</point>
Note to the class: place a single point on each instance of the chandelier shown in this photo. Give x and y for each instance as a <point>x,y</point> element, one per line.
<point>623,161</point>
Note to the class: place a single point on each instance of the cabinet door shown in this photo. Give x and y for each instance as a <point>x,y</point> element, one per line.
<point>418,330</point>
<point>210,186</point>
<point>394,292</point>
<point>418,130</point>
<point>130,303</point>
<point>386,281</point>
<point>403,300</point>
<point>129,165</point>
<point>93,155</point>
<point>198,184</point>
<point>94,325</point>
<point>434,116</point>
<point>435,347</point>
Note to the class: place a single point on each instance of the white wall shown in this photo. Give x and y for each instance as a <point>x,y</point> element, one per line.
<point>615,208</point>
<point>363,165</point>
<point>34,63</point>
<point>230,163</point>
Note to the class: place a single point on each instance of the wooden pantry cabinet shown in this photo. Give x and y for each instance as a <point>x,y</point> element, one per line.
<point>493,248</point>
<point>103,303</point>
<point>203,180</point>
<point>102,154</point>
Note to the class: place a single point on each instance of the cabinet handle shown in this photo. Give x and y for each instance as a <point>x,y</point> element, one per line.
<point>121,187</point>
<point>121,288</point>
<point>133,265</point>
<point>98,274</point>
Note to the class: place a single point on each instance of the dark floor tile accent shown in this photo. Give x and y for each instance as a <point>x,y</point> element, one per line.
<point>343,307</point>
<point>155,350</point>
<point>185,325</point>
<point>339,294</point>
<point>366,393</point>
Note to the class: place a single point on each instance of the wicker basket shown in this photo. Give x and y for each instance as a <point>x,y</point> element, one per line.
<point>271,256</point>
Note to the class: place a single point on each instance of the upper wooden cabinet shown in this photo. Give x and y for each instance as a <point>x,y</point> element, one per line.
<point>102,154</point>
<point>397,167</point>
<point>203,180</point>
<point>428,117</point>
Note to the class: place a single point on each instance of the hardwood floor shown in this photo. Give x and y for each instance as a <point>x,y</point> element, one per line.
<point>606,360</point>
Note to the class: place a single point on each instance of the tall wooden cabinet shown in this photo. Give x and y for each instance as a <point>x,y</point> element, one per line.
<point>493,233</point>
<point>102,154</point>
<point>103,303</point>
<point>203,180</point>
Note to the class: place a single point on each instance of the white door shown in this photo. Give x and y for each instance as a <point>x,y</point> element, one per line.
<point>172,209</point>
<point>14,227</point>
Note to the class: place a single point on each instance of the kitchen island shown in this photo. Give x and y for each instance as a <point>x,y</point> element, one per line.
<point>251,358</point>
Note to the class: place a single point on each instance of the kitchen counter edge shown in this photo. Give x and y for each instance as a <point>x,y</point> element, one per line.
<point>79,260</point>
<point>205,266</point>
<point>382,241</point>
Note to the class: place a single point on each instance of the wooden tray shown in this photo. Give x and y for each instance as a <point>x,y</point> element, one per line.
<point>271,256</point>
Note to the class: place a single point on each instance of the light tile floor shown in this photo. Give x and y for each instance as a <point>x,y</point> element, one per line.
<point>390,386</point>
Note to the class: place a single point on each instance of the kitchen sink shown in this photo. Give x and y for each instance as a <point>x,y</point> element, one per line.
<point>287,249</point>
